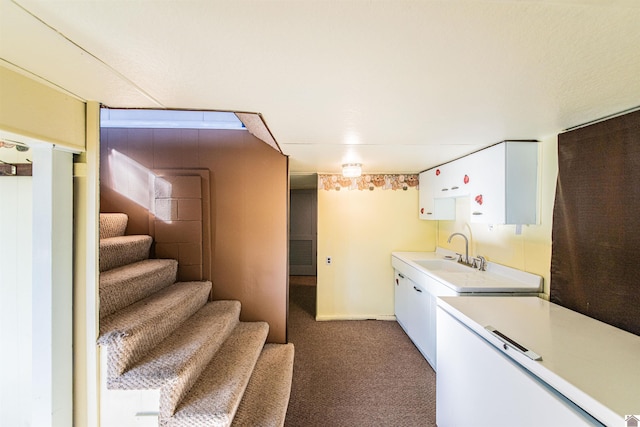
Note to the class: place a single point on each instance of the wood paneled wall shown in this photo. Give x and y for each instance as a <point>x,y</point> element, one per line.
<point>248,196</point>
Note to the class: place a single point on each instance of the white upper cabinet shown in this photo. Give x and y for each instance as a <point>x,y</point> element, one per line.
<point>432,204</point>
<point>505,185</point>
<point>501,182</point>
<point>455,180</point>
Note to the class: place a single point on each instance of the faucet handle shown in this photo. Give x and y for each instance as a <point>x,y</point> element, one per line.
<point>483,263</point>
<point>459,257</point>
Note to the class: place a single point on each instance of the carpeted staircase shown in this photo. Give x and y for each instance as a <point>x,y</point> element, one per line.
<point>170,356</point>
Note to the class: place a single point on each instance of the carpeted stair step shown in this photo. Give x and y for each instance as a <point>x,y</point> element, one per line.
<point>113,224</point>
<point>122,286</point>
<point>133,331</point>
<point>215,397</point>
<point>266,398</point>
<point>122,250</point>
<point>175,364</point>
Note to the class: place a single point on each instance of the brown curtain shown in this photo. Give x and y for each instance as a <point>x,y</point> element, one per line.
<point>595,263</point>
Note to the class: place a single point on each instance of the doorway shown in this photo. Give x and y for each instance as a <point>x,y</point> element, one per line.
<point>303,237</point>
<point>303,232</point>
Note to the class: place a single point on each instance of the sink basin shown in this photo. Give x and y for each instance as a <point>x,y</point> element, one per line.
<point>436,265</point>
<point>425,268</point>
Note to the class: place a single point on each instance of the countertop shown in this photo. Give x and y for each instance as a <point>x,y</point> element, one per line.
<point>497,278</point>
<point>594,364</point>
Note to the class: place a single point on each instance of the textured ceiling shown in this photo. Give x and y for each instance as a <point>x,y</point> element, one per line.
<point>397,85</point>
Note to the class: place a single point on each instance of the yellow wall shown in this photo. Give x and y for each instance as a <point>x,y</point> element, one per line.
<point>359,229</point>
<point>33,110</point>
<point>529,251</point>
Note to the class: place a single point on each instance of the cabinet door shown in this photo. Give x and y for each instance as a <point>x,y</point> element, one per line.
<point>443,181</point>
<point>425,194</point>
<point>401,303</point>
<point>421,326</point>
<point>477,385</point>
<point>456,177</point>
<point>432,204</point>
<point>488,185</point>
<point>430,348</point>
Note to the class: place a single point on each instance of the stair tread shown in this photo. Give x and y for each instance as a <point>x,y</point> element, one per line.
<point>131,332</point>
<point>122,250</point>
<point>113,224</point>
<point>175,364</point>
<point>215,397</point>
<point>123,286</point>
<point>266,398</point>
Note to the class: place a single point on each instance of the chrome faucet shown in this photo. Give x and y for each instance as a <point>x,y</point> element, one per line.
<point>466,248</point>
<point>480,263</point>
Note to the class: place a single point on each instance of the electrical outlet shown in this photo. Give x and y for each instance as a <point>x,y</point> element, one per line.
<point>328,261</point>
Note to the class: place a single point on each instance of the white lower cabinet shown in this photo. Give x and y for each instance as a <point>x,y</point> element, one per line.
<point>420,326</point>
<point>402,298</point>
<point>415,309</point>
<point>478,385</point>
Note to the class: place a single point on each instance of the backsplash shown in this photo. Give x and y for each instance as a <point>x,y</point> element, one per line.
<point>368,182</point>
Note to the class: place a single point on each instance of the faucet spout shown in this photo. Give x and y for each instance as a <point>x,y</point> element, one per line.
<point>466,246</point>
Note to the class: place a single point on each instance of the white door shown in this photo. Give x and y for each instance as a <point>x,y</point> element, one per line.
<point>52,284</point>
<point>15,300</point>
<point>36,218</point>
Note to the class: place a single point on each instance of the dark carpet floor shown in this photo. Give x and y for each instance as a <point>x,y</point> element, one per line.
<point>355,373</point>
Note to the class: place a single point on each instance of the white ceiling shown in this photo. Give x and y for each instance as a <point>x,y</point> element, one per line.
<point>397,85</point>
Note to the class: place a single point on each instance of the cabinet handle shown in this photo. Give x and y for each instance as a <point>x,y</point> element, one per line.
<point>401,276</point>
<point>477,213</point>
<point>417,290</point>
<point>445,189</point>
<point>429,213</point>
<point>454,188</point>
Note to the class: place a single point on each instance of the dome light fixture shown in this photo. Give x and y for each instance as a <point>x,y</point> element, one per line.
<point>351,170</point>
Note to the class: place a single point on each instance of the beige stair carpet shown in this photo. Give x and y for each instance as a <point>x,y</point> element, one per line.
<point>216,395</point>
<point>113,224</point>
<point>123,250</point>
<point>209,366</point>
<point>266,398</point>
<point>177,362</point>
<point>131,332</point>
<point>122,286</point>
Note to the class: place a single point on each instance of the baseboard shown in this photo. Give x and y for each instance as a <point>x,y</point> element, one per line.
<point>325,317</point>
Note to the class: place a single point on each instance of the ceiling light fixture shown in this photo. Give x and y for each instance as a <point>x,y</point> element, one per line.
<point>351,170</point>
